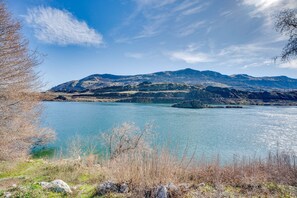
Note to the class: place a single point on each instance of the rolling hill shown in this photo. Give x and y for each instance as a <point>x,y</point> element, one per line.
<point>185,76</point>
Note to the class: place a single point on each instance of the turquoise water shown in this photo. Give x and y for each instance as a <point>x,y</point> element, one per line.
<point>250,131</point>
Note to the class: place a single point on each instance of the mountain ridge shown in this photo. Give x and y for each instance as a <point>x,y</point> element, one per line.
<point>186,76</point>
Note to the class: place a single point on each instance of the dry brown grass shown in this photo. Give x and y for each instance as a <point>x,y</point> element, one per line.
<point>162,168</point>
<point>144,167</point>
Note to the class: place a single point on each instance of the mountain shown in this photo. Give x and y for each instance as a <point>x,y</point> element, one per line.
<point>185,76</point>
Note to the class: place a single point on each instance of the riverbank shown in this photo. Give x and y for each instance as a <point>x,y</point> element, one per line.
<point>176,93</point>
<point>275,176</point>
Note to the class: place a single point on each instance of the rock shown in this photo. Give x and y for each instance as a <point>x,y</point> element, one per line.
<point>192,104</point>
<point>124,188</point>
<point>45,185</point>
<point>234,107</point>
<point>161,192</point>
<point>109,186</point>
<point>171,187</point>
<point>60,186</point>
<point>61,98</point>
<point>173,190</point>
<point>7,195</point>
<point>57,186</point>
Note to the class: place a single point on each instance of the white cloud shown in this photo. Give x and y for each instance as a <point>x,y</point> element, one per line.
<point>190,57</point>
<point>154,17</point>
<point>226,13</point>
<point>246,50</point>
<point>267,9</point>
<point>135,55</point>
<point>269,6</point>
<point>195,10</point>
<point>192,28</point>
<point>289,65</point>
<point>258,63</point>
<point>60,27</point>
<point>154,3</point>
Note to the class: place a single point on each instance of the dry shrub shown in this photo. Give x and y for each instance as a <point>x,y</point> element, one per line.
<point>82,149</point>
<point>148,167</point>
<point>144,169</point>
<point>126,139</point>
<point>134,160</point>
<point>277,168</point>
<point>19,104</point>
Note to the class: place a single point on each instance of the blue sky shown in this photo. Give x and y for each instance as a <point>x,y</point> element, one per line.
<point>79,38</point>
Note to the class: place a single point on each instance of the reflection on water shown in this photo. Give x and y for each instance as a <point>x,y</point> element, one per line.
<point>279,129</point>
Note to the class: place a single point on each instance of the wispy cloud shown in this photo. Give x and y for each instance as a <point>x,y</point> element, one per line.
<point>60,27</point>
<point>190,55</point>
<point>241,56</point>
<point>247,56</point>
<point>289,65</point>
<point>154,17</point>
<point>267,7</point>
<point>154,3</point>
<point>245,50</point>
<point>192,28</point>
<point>135,55</point>
<point>226,13</point>
<point>258,63</point>
<point>195,9</point>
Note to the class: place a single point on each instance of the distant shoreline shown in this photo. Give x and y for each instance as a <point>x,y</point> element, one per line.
<point>66,97</point>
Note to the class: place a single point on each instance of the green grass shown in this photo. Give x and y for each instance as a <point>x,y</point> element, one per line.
<point>83,180</point>
<point>43,153</point>
<point>28,174</point>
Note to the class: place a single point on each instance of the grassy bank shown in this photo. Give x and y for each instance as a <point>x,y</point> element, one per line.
<point>275,176</point>
<point>131,159</point>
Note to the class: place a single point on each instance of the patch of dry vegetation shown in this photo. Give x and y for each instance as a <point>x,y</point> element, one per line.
<point>144,168</point>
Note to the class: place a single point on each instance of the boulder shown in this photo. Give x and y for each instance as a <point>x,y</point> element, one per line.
<point>7,195</point>
<point>111,187</point>
<point>161,192</point>
<point>173,190</point>
<point>124,188</point>
<point>164,191</point>
<point>192,104</point>
<point>56,186</point>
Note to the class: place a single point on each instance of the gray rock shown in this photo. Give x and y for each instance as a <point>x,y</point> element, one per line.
<point>107,187</point>
<point>171,187</point>
<point>57,186</point>
<point>192,104</point>
<point>7,195</point>
<point>124,188</point>
<point>161,192</point>
<point>45,185</point>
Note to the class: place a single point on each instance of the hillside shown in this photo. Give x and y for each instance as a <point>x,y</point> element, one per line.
<point>148,92</point>
<point>185,76</point>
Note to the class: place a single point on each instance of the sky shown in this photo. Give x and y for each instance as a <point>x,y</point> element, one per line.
<point>78,38</point>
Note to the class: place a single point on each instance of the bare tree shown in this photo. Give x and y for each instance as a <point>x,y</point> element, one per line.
<point>127,138</point>
<point>286,23</point>
<point>19,83</point>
